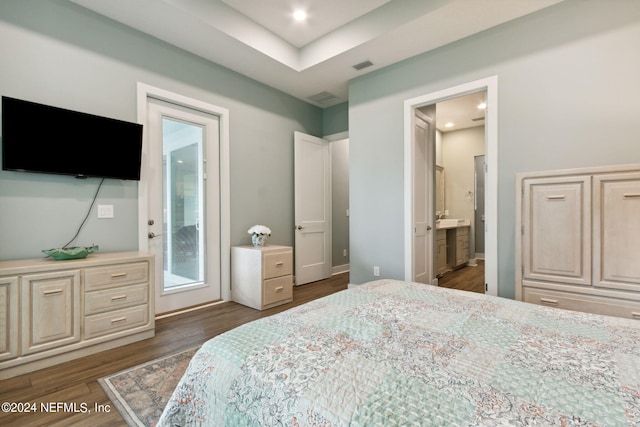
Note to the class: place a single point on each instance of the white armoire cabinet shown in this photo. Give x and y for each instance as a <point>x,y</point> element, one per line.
<point>578,239</point>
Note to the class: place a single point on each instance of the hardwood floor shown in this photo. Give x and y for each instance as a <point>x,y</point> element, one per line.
<point>76,382</point>
<point>469,278</point>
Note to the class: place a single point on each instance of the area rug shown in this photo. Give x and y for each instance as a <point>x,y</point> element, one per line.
<point>141,393</point>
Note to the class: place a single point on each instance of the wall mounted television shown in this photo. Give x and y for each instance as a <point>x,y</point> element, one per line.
<point>47,139</point>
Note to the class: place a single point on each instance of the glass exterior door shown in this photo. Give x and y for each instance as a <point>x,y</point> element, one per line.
<point>183,203</point>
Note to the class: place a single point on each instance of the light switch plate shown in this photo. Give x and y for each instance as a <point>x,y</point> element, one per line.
<point>105,211</point>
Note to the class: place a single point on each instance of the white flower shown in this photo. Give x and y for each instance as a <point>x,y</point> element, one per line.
<point>260,229</point>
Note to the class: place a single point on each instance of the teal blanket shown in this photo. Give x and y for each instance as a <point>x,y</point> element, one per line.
<point>392,353</point>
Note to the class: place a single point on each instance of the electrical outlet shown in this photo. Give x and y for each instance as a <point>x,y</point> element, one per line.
<point>344,252</point>
<point>105,211</point>
<point>376,270</point>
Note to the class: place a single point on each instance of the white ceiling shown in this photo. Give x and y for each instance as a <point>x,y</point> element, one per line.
<point>462,112</point>
<point>259,39</point>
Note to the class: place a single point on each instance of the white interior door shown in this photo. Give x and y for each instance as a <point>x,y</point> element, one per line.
<point>423,199</point>
<point>184,205</point>
<point>312,160</point>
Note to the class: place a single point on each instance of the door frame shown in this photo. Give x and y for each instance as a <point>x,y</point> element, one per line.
<point>490,84</point>
<point>145,91</point>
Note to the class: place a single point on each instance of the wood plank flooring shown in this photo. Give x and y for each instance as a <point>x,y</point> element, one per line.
<point>76,382</point>
<point>469,278</point>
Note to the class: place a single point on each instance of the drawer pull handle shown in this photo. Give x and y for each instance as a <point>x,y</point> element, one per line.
<point>632,195</point>
<point>118,320</point>
<point>549,301</point>
<point>118,275</point>
<point>53,292</point>
<point>556,197</point>
<point>279,263</point>
<point>635,315</point>
<point>119,298</point>
<point>279,288</point>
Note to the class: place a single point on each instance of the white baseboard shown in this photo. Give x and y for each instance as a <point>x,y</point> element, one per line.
<point>338,269</point>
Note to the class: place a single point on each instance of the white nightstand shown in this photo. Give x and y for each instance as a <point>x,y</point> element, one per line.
<point>262,276</point>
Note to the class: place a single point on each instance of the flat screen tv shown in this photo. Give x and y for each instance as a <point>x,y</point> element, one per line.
<point>46,139</point>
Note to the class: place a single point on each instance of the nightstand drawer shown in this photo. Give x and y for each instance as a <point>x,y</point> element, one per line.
<point>116,298</point>
<point>115,321</point>
<point>115,275</point>
<point>277,290</point>
<point>278,264</point>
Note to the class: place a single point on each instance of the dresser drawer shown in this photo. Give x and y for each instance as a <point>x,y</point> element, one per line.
<point>116,298</point>
<point>277,290</point>
<point>277,264</point>
<point>116,275</point>
<point>576,302</point>
<point>115,321</point>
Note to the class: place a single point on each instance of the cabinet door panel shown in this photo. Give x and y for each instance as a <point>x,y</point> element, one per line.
<point>8,317</point>
<point>53,317</point>
<point>617,231</point>
<point>556,229</point>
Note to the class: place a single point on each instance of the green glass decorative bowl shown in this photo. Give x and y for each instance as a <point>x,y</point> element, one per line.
<point>79,252</point>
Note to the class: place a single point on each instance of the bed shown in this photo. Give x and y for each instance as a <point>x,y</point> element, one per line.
<point>393,353</point>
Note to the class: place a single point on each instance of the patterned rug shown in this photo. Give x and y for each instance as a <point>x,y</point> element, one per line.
<point>141,393</point>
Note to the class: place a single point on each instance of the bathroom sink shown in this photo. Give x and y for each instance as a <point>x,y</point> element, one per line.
<point>452,222</point>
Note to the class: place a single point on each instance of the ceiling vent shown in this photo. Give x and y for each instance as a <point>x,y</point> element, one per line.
<point>362,65</point>
<point>323,97</point>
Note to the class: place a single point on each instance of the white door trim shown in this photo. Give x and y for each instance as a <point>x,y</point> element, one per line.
<point>144,92</point>
<point>490,84</point>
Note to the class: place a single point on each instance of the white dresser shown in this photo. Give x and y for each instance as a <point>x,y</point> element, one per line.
<point>578,239</point>
<point>262,276</point>
<point>55,311</point>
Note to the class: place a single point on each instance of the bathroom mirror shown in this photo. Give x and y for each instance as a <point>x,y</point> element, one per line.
<point>440,206</point>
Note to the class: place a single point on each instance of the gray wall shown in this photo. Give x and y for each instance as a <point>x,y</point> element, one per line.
<point>459,148</point>
<point>568,93</point>
<point>58,53</point>
<point>339,202</point>
<point>335,119</point>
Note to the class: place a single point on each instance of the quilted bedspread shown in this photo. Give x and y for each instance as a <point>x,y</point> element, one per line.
<point>392,353</point>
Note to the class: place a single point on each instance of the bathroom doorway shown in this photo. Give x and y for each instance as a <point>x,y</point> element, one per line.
<point>462,195</point>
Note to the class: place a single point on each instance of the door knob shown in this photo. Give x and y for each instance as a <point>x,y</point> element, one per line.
<point>297,227</point>
<point>151,222</point>
<point>151,235</point>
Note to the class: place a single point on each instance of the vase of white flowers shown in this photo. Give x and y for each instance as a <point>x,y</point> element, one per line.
<point>259,235</point>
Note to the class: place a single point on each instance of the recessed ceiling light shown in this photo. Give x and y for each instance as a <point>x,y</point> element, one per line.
<point>482,106</point>
<point>300,15</point>
<point>448,125</point>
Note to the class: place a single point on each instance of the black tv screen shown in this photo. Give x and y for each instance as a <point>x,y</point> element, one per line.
<point>46,139</point>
